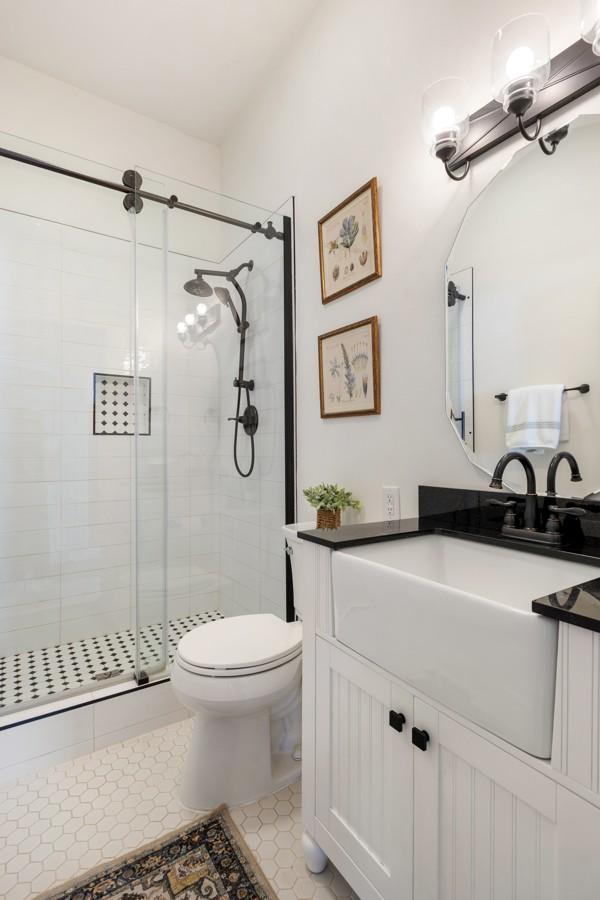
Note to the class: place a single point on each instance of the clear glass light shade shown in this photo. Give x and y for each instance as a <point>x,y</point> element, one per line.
<point>190,319</point>
<point>445,114</point>
<point>590,23</point>
<point>202,309</point>
<point>520,62</point>
<point>181,328</point>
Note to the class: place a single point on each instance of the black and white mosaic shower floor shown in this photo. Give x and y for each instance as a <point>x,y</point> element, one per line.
<point>36,675</point>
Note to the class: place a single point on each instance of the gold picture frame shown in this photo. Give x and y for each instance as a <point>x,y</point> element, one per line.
<point>349,370</point>
<point>350,243</point>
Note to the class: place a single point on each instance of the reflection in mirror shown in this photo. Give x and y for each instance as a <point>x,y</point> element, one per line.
<point>530,242</point>
<point>459,353</point>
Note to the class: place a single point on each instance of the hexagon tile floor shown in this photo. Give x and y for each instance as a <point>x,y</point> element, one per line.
<point>72,817</point>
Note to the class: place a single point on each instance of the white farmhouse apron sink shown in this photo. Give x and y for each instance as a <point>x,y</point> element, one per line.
<point>453,618</point>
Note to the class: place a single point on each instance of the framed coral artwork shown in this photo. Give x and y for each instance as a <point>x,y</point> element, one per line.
<point>349,243</point>
<point>349,370</point>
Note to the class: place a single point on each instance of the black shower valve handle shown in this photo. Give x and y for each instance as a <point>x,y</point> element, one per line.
<point>248,385</point>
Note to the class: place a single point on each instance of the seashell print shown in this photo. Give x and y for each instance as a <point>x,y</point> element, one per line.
<point>352,267</point>
<point>363,257</point>
<point>336,273</point>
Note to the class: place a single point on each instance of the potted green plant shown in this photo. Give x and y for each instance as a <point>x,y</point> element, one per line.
<point>329,500</point>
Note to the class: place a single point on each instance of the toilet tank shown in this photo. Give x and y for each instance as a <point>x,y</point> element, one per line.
<point>301,555</point>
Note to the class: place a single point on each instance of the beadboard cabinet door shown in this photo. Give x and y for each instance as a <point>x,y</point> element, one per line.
<point>484,822</point>
<point>364,769</point>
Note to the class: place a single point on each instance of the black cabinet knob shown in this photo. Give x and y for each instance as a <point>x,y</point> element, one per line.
<point>420,738</point>
<point>397,720</point>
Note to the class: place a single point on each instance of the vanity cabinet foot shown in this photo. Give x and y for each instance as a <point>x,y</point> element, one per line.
<point>314,857</point>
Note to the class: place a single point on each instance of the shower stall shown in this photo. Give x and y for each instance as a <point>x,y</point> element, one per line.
<point>146,420</point>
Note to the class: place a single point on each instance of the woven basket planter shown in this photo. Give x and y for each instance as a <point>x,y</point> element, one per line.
<point>329,518</point>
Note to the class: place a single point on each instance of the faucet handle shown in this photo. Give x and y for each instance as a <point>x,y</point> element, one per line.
<point>577,511</point>
<point>510,517</point>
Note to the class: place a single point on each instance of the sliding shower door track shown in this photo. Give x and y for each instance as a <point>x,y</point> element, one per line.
<point>172,202</point>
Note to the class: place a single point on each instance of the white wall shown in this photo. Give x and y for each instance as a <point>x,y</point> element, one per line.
<point>342,107</point>
<point>40,108</point>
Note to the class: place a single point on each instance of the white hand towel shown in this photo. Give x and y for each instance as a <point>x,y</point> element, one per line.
<point>536,417</point>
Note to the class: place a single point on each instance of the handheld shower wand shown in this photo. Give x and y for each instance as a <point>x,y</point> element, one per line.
<point>198,287</point>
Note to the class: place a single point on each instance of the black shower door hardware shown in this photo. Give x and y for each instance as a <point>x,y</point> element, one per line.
<point>582,388</point>
<point>132,183</point>
<point>460,419</point>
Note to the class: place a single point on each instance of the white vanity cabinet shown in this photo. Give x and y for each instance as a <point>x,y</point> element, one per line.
<point>364,769</point>
<point>460,819</point>
<point>451,812</point>
<point>484,822</point>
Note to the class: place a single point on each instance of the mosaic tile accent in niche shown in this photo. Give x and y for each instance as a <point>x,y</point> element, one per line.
<point>114,406</point>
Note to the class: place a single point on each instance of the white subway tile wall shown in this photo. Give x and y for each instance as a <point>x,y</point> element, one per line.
<point>64,494</point>
<point>72,527</point>
<point>252,510</point>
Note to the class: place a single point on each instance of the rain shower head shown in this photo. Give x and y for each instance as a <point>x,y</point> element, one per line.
<point>198,287</point>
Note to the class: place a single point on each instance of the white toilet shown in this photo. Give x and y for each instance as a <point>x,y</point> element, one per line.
<point>241,677</point>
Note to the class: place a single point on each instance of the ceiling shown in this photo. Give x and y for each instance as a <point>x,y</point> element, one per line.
<point>189,63</point>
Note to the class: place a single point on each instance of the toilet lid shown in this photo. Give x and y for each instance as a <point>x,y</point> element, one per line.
<point>241,642</point>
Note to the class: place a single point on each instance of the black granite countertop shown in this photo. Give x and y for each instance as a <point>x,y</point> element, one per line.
<point>578,605</point>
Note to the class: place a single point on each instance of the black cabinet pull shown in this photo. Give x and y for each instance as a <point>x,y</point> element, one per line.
<point>420,738</point>
<point>397,720</point>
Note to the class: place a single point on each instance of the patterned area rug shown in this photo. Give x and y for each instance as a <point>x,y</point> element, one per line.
<point>207,860</point>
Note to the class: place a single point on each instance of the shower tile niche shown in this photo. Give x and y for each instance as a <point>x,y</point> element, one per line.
<point>115,406</point>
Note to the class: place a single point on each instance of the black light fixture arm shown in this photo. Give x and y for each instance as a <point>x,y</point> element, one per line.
<point>550,142</point>
<point>457,176</point>
<point>529,135</point>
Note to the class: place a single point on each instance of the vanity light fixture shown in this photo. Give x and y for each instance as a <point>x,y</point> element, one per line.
<point>590,23</point>
<point>446,121</point>
<point>527,85</point>
<point>521,67</point>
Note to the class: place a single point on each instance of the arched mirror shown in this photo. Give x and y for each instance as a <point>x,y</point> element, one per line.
<point>522,306</point>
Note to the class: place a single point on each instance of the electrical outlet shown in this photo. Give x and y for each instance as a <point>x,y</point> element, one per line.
<point>391,502</point>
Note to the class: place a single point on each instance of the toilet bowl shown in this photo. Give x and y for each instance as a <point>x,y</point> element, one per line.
<point>241,677</point>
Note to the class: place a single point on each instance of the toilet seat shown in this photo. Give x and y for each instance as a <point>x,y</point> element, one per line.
<point>239,646</point>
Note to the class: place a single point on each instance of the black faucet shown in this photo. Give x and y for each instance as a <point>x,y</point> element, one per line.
<point>554,464</point>
<point>530,515</point>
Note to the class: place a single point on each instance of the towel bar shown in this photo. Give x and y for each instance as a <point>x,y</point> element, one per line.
<point>582,388</point>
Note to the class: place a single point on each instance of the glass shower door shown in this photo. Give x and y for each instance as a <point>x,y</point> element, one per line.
<point>149,370</point>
